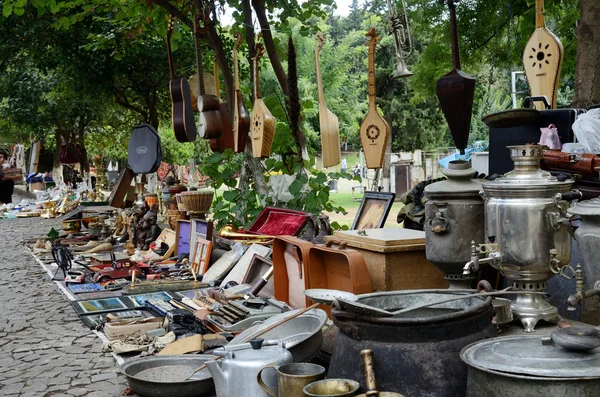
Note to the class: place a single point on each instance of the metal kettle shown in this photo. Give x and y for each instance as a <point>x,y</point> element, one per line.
<point>235,374</point>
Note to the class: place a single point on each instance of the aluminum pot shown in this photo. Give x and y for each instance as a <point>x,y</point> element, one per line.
<point>521,366</point>
<point>416,355</point>
<point>453,218</point>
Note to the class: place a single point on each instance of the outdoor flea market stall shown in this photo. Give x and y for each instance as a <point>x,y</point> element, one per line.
<point>491,292</point>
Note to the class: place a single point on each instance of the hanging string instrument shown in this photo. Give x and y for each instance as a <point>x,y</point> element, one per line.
<point>542,58</point>
<point>225,141</point>
<point>241,118</point>
<point>374,131</point>
<point>209,125</point>
<point>328,122</point>
<point>262,121</point>
<point>182,115</point>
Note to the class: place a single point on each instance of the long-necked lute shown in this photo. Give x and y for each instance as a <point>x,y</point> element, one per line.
<point>241,118</point>
<point>225,141</point>
<point>262,121</point>
<point>542,58</point>
<point>182,115</point>
<point>209,123</point>
<point>328,122</point>
<point>374,131</point>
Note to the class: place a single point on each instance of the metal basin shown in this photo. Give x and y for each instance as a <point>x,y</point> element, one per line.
<point>302,336</point>
<point>200,384</point>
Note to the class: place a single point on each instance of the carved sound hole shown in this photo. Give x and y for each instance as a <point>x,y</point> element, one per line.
<point>373,132</point>
<point>257,128</point>
<point>539,55</point>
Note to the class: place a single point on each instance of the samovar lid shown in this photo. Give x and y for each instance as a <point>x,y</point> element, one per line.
<point>460,174</point>
<point>527,173</point>
<point>527,355</point>
<point>587,207</point>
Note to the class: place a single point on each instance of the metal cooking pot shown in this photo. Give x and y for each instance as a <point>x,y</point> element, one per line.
<point>417,354</point>
<point>521,366</point>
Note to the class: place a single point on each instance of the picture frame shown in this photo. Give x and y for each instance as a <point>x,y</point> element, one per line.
<point>183,236</point>
<point>191,293</point>
<point>102,305</point>
<point>373,211</point>
<point>139,300</point>
<point>199,228</point>
<point>201,259</point>
<point>259,265</point>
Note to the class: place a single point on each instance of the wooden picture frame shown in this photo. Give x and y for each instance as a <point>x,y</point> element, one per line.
<point>102,305</point>
<point>139,300</point>
<point>183,236</point>
<point>201,259</point>
<point>200,228</point>
<point>373,211</point>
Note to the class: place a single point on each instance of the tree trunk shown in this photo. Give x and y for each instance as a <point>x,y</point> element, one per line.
<point>587,74</point>
<point>385,171</point>
<point>57,169</point>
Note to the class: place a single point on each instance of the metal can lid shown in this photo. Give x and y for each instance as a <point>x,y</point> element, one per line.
<point>587,207</point>
<point>526,355</point>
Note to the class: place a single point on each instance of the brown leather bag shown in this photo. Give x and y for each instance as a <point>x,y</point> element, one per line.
<point>290,256</point>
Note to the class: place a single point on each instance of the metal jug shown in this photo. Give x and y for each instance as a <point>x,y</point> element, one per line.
<point>292,378</point>
<point>235,375</point>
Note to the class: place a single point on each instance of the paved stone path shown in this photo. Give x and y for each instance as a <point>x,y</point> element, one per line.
<point>44,349</point>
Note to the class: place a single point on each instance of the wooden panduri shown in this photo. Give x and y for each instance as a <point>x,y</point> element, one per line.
<point>328,122</point>
<point>542,58</point>
<point>241,118</point>
<point>262,121</point>
<point>374,131</point>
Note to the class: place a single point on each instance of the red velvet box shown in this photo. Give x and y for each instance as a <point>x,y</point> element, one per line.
<point>274,221</point>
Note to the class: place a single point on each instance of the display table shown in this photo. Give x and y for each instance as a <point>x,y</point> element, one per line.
<point>395,258</point>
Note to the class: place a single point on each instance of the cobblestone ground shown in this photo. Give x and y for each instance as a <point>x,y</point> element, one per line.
<point>44,349</point>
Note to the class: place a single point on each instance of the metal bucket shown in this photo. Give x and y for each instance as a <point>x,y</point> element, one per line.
<point>416,355</point>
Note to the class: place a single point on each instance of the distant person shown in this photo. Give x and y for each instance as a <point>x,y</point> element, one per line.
<point>344,165</point>
<point>356,171</point>
<point>7,185</point>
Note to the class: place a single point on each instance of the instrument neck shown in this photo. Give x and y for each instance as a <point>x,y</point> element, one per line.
<point>217,80</point>
<point>236,76</point>
<point>372,91</point>
<point>454,36</point>
<point>539,14</point>
<point>169,51</point>
<point>256,80</point>
<point>319,79</point>
<point>201,88</point>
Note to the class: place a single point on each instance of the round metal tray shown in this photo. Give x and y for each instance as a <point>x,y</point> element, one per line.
<point>140,371</point>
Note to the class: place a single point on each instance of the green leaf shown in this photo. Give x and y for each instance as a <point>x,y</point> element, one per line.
<point>295,187</point>
<point>7,9</point>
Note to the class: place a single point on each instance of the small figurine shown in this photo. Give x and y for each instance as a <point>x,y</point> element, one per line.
<point>147,229</point>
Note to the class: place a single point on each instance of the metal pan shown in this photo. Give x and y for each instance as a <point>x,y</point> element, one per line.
<point>511,118</point>
<point>149,376</point>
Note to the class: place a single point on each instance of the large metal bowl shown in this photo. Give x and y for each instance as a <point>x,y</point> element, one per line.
<point>200,384</point>
<point>302,336</point>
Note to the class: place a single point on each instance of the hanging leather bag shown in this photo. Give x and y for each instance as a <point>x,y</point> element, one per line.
<point>145,150</point>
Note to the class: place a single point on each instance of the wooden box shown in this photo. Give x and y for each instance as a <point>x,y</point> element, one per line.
<point>395,258</point>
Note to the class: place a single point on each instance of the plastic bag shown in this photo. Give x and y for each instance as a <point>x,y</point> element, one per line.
<point>587,130</point>
<point>550,137</point>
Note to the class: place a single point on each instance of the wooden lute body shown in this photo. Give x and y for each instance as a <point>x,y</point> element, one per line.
<point>374,131</point>
<point>209,124</point>
<point>225,141</point>
<point>542,58</point>
<point>328,122</point>
<point>182,115</point>
<point>262,121</point>
<point>241,118</point>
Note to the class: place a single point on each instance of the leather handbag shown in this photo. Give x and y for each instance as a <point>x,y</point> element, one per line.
<point>290,257</point>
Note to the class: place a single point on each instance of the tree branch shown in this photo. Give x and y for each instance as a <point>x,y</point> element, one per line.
<point>247,9</point>
<point>175,11</point>
<point>261,15</point>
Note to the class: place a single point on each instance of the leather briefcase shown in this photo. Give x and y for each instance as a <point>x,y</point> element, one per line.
<point>290,255</point>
